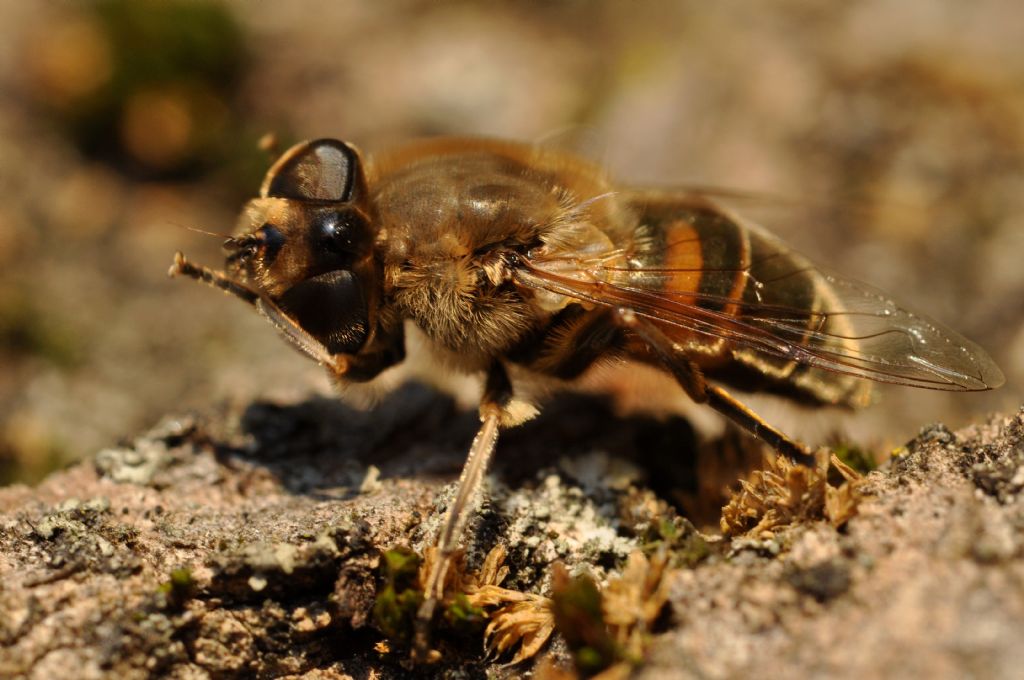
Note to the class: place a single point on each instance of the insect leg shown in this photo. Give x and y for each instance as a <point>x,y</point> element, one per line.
<point>302,340</point>
<point>497,393</point>
<point>726,404</point>
<point>689,376</point>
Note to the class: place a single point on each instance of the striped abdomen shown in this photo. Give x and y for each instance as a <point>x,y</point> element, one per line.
<point>733,284</point>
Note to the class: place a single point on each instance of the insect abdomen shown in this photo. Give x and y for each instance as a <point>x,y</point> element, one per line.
<point>733,280</point>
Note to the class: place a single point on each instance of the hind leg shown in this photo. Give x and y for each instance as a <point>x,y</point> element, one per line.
<point>692,380</point>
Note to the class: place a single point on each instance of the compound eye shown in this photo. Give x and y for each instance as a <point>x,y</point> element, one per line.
<point>332,308</point>
<point>322,170</point>
<point>272,240</point>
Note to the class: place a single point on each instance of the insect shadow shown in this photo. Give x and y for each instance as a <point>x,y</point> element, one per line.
<point>323,447</point>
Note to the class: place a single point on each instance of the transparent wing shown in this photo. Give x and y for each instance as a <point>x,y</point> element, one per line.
<point>773,302</point>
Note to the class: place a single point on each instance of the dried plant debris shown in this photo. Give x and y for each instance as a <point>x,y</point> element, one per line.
<point>608,631</point>
<point>473,604</point>
<point>516,625</point>
<point>860,459</point>
<point>604,629</point>
<point>785,492</point>
<point>633,602</point>
<point>514,618</point>
<point>525,619</point>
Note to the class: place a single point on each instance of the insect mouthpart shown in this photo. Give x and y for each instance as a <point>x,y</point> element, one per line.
<point>241,247</point>
<point>267,241</point>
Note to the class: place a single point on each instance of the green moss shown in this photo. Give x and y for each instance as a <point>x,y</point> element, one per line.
<point>861,460</point>
<point>178,589</point>
<point>181,578</point>
<point>191,51</point>
<point>401,567</point>
<point>461,614</point>
<point>685,545</point>
<point>399,597</point>
<point>394,612</point>
<point>578,617</point>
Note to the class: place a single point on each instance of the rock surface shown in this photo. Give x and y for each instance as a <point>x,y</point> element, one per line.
<point>247,543</point>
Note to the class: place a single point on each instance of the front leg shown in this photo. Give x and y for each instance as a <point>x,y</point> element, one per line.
<point>337,364</point>
<point>496,397</point>
<point>386,350</point>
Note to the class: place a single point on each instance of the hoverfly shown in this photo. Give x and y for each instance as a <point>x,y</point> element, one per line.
<point>527,265</point>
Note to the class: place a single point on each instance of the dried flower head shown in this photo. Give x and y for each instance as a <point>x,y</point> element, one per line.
<point>785,492</point>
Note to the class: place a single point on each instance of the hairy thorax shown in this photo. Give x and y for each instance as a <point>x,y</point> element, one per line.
<point>448,294</point>
<point>445,239</point>
<point>449,218</point>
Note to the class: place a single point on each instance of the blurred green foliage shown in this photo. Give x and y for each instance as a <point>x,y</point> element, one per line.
<point>147,84</point>
<point>399,598</point>
<point>579,618</point>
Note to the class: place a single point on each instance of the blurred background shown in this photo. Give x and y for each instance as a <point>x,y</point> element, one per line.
<point>887,136</point>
